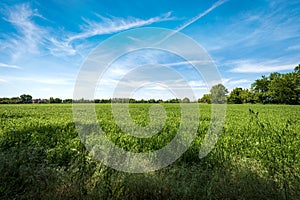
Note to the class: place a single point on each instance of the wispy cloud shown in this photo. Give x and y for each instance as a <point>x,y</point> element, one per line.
<point>29,36</point>
<point>293,47</point>
<point>3,80</point>
<point>251,66</point>
<point>199,16</point>
<point>232,83</point>
<point>186,63</point>
<point>104,26</point>
<point>39,79</point>
<point>32,38</point>
<point>9,66</point>
<point>114,25</point>
<point>194,19</point>
<point>277,22</point>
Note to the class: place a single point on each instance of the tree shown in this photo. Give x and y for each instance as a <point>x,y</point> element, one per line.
<point>297,81</point>
<point>26,98</point>
<point>55,100</point>
<point>151,101</point>
<point>15,100</point>
<point>239,96</point>
<point>186,100</point>
<point>247,96</point>
<point>261,89</point>
<point>218,94</point>
<point>278,88</point>
<point>4,100</point>
<point>284,89</point>
<point>206,98</point>
<point>173,101</point>
<point>235,96</point>
<point>297,69</point>
<point>261,85</point>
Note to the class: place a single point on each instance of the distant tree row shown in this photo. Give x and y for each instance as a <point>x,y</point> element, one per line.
<point>273,89</point>
<point>26,99</point>
<point>276,89</point>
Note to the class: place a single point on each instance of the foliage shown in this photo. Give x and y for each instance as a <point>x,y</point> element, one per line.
<point>273,89</point>
<point>278,88</point>
<point>186,100</point>
<point>205,99</point>
<point>239,96</point>
<point>218,94</point>
<point>256,157</point>
<point>55,100</point>
<point>26,98</point>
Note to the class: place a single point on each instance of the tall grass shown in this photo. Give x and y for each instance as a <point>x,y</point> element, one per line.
<point>256,157</point>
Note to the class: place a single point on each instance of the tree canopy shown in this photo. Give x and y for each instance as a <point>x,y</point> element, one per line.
<point>218,94</point>
<point>276,89</point>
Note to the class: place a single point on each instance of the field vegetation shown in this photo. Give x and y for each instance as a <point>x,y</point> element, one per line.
<point>256,157</point>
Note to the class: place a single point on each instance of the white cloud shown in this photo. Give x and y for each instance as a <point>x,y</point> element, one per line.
<point>238,82</point>
<point>250,66</point>
<point>61,48</point>
<point>9,66</point>
<point>29,35</point>
<point>102,27</point>
<point>197,84</point>
<point>233,83</point>
<point>39,79</point>
<point>2,80</point>
<point>194,19</point>
<point>258,28</point>
<point>294,47</point>
<point>192,62</point>
<point>31,38</point>
<point>199,16</point>
<point>114,25</point>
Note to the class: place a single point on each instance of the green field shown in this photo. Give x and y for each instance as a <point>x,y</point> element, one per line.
<point>256,157</point>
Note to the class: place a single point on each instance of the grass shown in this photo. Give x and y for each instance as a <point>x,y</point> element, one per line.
<point>256,157</point>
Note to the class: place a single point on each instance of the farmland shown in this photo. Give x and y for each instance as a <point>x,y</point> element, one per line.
<point>256,157</point>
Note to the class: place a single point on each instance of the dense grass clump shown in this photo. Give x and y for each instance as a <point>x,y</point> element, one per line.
<point>256,157</point>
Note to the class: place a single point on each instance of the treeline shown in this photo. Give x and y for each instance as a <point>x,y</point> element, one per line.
<point>273,89</point>
<point>27,99</point>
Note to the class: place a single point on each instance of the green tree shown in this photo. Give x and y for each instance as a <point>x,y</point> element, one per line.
<point>278,88</point>
<point>235,96</point>
<point>261,90</point>
<point>284,89</point>
<point>15,100</point>
<point>218,94</point>
<point>151,101</point>
<point>57,100</point>
<point>247,96</point>
<point>186,100</point>
<point>297,69</point>
<point>239,96</point>
<point>206,98</point>
<point>26,98</point>
<point>297,82</point>
<point>4,100</point>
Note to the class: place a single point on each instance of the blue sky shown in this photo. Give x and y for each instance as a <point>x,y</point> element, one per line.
<point>44,43</point>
